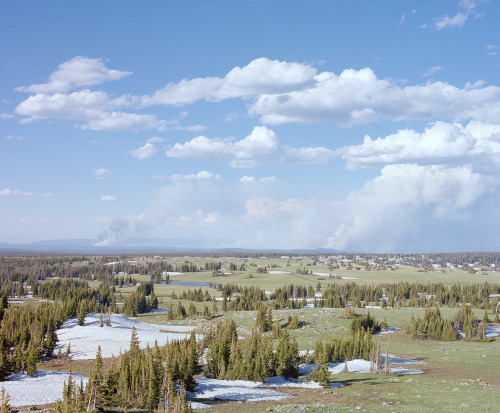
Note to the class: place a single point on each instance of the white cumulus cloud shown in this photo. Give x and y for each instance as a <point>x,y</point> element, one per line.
<point>253,179</point>
<point>9,192</point>
<point>458,20</point>
<point>432,70</point>
<point>358,96</point>
<point>260,76</point>
<point>247,152</point>
<point>264,207</point>
<point>441,143</point>
<point>101,173</point>
<point>403,199</point>
<point>310,156</point>
<point>75,73</point>
<point>197,176</point>
<point>146,151</point>
<point>108,198</point>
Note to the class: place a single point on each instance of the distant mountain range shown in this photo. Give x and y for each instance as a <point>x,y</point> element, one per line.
<point>132,245</point>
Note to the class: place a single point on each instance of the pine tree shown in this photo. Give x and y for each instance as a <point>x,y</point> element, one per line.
<point>387,358</point>
<point>324,377</point>
<point>58,408</point>
<point>378,357</point>
<point>32,360</point>
<point>95,386</point>
<point>181,311</point>
<point>170,314</point>
<point>51,339</point>
<point>486,319</point>
<point>5,401</point>
<point>153,382</point>
<point>82,312</point>
<point>287,356</point>
<point>68,393</point>
<point>4,366</point>
<point>134,343</point>
<point>154,300</point>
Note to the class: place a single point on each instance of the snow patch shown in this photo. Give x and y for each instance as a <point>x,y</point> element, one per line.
<point>492,331</point>
<point>113,340</point>
<point>390,330</point>
<point>363,366</point>
<point>239,390</point>
<point>281,381</point>
<point>158,310</point>
<point>198,405</point>
<point>46,387</point>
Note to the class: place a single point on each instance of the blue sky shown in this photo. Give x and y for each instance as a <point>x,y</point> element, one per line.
<point>360,126</point>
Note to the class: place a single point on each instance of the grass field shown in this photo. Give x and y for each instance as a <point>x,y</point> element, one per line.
<point>459,375</point>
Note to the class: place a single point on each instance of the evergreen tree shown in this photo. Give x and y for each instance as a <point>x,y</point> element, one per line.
<point>324,376</point>
<point>32,360</point>
<point>181,311</point>
<point>5,401</point>
<point>82,312</point>
<point>134,343</point>
<point>94,390</point>
<point>287,356</point>
<point>486,319</point>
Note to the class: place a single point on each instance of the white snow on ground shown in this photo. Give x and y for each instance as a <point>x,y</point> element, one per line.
<point>399,360</point>
<point>321,273</point>
<point>281,381</point>
<point>373,306</point>
<point>489,330</point>
<point>354,366</point>
<point>174,273</point>
<point>85,339</point>
<point>278,272</point>
<point>240,390</point>
<point>46,387</point>
<point>390,330</point>
<point>363,366</point>
<point>176,329</point>
<point>492,331</point>
<point>404,370</point>
<point>350,278</point>
<point>198,405</point>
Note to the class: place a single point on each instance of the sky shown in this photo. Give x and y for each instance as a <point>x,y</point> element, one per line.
<point>356,126</point>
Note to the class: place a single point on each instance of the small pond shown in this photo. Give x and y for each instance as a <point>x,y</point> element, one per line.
<point>186,283</point>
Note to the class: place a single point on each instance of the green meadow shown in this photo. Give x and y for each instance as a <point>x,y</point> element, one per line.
<point>458,375</point>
